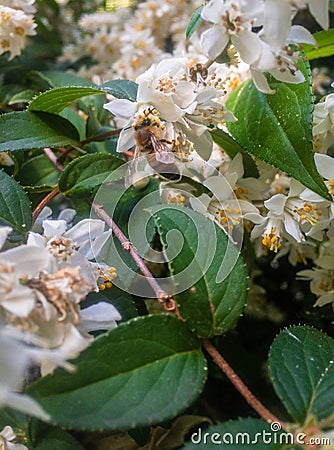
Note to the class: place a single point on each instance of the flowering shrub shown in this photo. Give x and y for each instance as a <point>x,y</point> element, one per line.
<point>166,198</point>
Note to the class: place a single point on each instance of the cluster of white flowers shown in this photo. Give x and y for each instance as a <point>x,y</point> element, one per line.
<point>41,286</point>
<point>126,42</point>
<point>184,97</point>
<point>16,23</point>
<point>188,108</point>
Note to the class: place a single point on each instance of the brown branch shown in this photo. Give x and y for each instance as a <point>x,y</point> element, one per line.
<point>162,295</point>
<point>100,137</point>
<point>239,384</point>
<point>53,158</point>
<point>43,203</point>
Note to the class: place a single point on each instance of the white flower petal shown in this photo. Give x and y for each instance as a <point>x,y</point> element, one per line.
<point>212,11</point>
<point>292,227</point>
<point>325,165</point>
<point>73,343</point>
<point>319,10</point>
<point>4,232</point>
<point>248,45</point>
<point>36,240</point>
<point>28,259</point>
<point>213,41</point>
<point>220,187</point>
<point>276,204</point>
<point>287,76</point>
<point>300,35</point>
<point>24,404</point>
<point>19,302</point>
<point>126,139</point>
<point>200,204</point>
<point>261,82</point>
<point>68,215</point>
<point>85,230</point>
<point>325,262</point>
<point>277,22</point>
<point>329,102</point>
<point>121,108</point>
<point>164,103</point>
<point>256,218</point>
<point>54,228</point>
<point>101,316</point>
<point>98,244</point>
<point>8,433</point>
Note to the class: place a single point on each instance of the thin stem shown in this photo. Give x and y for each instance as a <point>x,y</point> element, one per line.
<point>162,295</point>
<point>100,137</point>
<point>43,203</point>
<point>239,384</point>
<point>209,63</point>
<point>53,158</point>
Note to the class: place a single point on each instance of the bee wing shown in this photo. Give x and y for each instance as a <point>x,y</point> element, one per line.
<point>163,152</point>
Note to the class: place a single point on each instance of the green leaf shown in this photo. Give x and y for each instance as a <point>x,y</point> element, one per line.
<point>76,120</point>
<point>121,89</point>
<point>15,208</point>
<point>232,148</point>
<point>22,97</point>
<point>325,41</point>
<point>179,431</point>
<point>194,22</point>
<point>278,128</point>
<point>87,172</point>
<point>238,435</point>
<point>56,99</point>
<point>55,78</point>
<point>37,171</point>
<point>301,367</point>
<point>27,130</point>
<point>208,272</point>
<point>143,372</point>
<point>51,438</point>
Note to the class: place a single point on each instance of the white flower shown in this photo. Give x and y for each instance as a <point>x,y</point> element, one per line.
<point>322,274</point>
<point>264,51</point>
<point>286,214</point>
<point>224,207</point>
<point>27,6</point>
<point>232,22</point>
<point>7,440</point>
<point>16,266</point>
<point>15,25</point>
<point>323,124</point>
<point>277,57</point>
<point>74,246</point>
<point>325,166</point>
<point>188,111</point>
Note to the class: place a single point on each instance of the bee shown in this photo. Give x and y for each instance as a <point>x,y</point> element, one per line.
<point>157,151</point>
